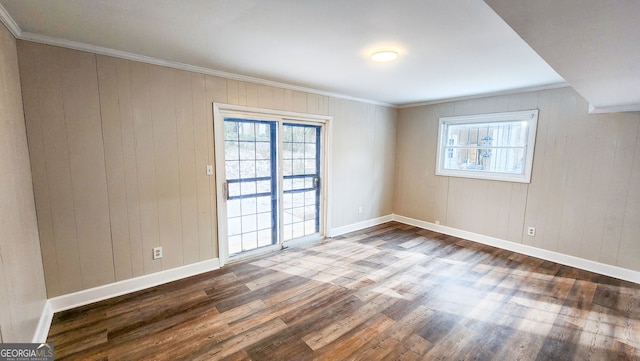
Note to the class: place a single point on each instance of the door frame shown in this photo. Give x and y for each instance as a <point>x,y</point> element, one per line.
<point>220,111</point>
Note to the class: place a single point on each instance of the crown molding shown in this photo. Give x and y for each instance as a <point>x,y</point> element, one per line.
<point>43,39</point>
<point>487,95</point>
<point>8,21</point>
<point>614,109</point>
<point>13,27</point>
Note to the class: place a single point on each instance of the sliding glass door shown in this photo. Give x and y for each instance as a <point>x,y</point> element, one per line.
<point>270,171</point>
<point>251,183</point>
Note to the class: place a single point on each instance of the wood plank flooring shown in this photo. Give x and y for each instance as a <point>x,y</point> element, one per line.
<point>391,292</point>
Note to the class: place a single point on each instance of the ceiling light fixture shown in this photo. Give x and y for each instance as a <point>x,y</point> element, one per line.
<point>384,55</point>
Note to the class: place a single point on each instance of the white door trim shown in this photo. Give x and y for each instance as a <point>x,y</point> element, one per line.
<point>219,111</point>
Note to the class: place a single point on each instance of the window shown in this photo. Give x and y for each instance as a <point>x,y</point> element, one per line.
<point>496,146</point>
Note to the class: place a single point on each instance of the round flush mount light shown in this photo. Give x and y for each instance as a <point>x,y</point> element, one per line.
<point>384,55</point>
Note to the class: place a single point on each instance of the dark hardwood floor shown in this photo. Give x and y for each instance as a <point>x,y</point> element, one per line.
<point>391,292</point>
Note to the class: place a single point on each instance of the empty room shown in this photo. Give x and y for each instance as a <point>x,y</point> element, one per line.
<point>320,180</point>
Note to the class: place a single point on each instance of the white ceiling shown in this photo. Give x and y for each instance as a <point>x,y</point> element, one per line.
<point>595,45</point>
<point>448,48</point>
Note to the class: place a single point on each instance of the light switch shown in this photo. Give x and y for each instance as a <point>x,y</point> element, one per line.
<point>209,170</point>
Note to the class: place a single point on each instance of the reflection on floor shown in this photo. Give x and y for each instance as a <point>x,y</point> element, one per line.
<point>391,292</point>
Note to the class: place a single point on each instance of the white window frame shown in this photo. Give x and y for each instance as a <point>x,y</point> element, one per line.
<point>528,116</point>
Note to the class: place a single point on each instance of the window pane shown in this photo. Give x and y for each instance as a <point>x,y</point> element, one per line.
<point>488,146</point>
<point>232,169</point>
<point>246,131</point>
<point>247,188</point>
<point>500,134</point>
<point>262,131</point>
<point>499,160</point>
<point>310,135</point>
<point>231,151</point>
<point>263,168</point>
<point>247,150</point>
<point>263,150</point>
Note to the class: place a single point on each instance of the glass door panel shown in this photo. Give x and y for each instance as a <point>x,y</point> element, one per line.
<point>301,180</point>
<point>251,183</point>
<point>270,192</point>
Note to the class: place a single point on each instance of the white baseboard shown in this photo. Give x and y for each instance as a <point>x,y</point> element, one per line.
<point>585,264</point>
<point>360,225</point>
<point>85,297</point>
<point>44,324</point>
<point>100,293</point>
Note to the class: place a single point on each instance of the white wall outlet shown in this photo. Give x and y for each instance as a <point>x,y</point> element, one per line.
<point>531,231</point>
<point>360,210</point>
<point>157,252</point>
<point>209,170</point>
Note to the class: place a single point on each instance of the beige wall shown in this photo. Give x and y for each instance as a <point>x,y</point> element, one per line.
<point>119,149</point>
<point>22,287</point>
<point>584,195</point>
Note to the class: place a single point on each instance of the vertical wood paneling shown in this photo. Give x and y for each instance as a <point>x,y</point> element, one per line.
<point>125,99</point>
<point>353,174</point>
<point>86,160</point>
<point>600,150</point>
<point>265,97</point>
<point>145,163</point>
<point>145,133</point>
<point>278,98</point>
<point>542,172</point>
<point>313,103</point>
<point>578,169</point>
<point>629,247</point>
<point>626,145</point>
<point>288,99</point>
<point>242,93</point>
<point>115,168</point>
<point>365,169</point>
<point>163,112</point>
<point>251,98</point>
<point>233,92</point>
<point>516,211</point>
<point>187,167</point>
<point>37,157</point>
<point>207,235</point>
<point>48,66</point>
<point>22,283</point>
<point>216,92</point>
<point>415,165</point>
<point>553,210</point>
<point>384,154</point>
<point>581,199</point>
<point>299,102</point>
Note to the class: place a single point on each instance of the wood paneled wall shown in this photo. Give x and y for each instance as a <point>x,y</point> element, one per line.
<point>22,284</point>
<point>584,195</point>
<point>119,149</point>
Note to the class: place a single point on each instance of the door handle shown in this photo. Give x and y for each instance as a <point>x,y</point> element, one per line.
<point>226,190</point>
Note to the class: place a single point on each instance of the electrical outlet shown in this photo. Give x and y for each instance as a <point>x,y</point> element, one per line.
<point>531,231</point>
<point>360,210</point>
<point>157,252</point>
